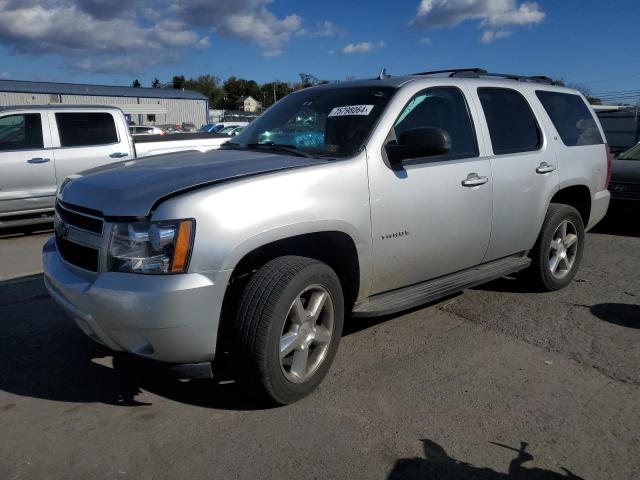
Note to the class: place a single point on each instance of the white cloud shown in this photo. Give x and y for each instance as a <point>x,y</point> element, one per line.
<point>4,75</point>
<point>424,41</point>
<point>362,47</point>
<point>489,36</point>
<point>328,29</point>
<point>493,15</point>
<point>125,36</point>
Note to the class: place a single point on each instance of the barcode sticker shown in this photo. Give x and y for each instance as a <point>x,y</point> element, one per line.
<point>351,110</point>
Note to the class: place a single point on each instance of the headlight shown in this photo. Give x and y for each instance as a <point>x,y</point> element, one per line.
<point>151,247</point>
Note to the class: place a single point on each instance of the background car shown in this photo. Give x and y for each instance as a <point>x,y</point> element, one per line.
<point>170,128</point>
<point>625,175</point>
<point>189,127</point>
<point>211,128</point>
<point>145,130</point>
<point>230,131</point>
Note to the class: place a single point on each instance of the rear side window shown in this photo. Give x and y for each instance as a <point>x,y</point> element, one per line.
<point>81,129</point>
<point>445,108</point>
<point>512,126</point>
<point>571,117</point>
<point>21,132</point>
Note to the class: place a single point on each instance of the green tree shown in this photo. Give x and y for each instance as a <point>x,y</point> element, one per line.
<point>178,82</point>
<point>208,85</point>
<point>156,83</point>
<point>136,83</point>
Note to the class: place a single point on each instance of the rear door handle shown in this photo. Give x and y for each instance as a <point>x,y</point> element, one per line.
<point>38,160</point>
<point>545,167</point>
<point>473,180</point>
<point>119,155</point>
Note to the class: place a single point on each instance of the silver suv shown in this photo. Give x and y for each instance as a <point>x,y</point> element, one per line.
<point>352,199</point>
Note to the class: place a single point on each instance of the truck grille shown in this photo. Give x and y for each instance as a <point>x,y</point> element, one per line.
<point>625,190</point>
<point>78,233</point>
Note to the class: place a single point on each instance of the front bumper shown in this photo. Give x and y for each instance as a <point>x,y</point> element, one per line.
<point>170,318</point>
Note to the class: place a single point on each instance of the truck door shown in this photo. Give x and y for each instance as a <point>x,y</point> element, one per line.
<point>87,139</point>
<point>27,173</point>
<point>430,216</point>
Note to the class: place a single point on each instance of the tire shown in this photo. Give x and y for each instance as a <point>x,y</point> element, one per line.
<point>295,304</point>
<point>554,265</point>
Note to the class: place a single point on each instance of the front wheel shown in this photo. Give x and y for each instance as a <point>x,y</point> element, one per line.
<point>558,250</point>
<point>288,326</point>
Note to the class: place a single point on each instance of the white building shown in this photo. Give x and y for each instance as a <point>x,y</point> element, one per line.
<point>144,106</point>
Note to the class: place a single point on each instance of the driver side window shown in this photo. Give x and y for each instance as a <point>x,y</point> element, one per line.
<point>444,108</point>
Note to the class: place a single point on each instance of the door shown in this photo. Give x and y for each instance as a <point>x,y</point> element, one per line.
<point>430,216</point>
<point>523,167</point>
<point>86,139</point>
<point>27,173</point>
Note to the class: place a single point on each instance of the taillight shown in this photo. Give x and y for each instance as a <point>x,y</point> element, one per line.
<point>609,161</point>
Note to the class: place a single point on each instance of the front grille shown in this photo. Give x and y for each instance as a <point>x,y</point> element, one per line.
<point>78,220</point>
<point>78,234</point>
<point>625,190</point>
<point>84,257</point>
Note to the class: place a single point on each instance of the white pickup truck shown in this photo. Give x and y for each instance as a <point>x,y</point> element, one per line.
<point>41,145</point>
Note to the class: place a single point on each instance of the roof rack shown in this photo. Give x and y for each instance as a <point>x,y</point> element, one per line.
<point>479,72</point>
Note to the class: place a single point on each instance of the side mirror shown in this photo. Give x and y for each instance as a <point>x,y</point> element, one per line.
<point>418,143</point>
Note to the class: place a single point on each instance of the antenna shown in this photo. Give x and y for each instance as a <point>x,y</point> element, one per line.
<point>383,74</point>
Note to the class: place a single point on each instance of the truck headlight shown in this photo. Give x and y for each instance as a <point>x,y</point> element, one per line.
<point>151,247</point>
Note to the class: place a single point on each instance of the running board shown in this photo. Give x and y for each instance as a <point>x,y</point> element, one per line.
<point>425,292</point>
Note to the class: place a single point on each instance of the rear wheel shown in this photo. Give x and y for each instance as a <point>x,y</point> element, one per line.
<point>558,251</point>
<point>288,326</point>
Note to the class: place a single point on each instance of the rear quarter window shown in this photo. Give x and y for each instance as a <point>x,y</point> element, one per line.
<point>80,129</point>
<point>571,117</point>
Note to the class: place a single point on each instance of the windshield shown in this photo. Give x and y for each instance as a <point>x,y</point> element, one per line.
<point>631,154</point>
<point>317,122</point>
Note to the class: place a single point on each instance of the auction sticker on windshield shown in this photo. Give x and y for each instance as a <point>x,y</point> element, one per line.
<point>351,110</point>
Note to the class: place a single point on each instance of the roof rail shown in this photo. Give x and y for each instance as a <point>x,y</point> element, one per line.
<point>479,72</point>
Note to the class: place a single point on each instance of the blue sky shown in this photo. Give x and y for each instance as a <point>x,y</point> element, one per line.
<point>589,42</point>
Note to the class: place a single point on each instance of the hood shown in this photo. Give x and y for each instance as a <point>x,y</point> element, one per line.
<point>132,188</point>
<point>625,171</point>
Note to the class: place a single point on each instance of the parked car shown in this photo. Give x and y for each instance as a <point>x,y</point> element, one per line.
<point>145,130</point>
<point>625,175</point>
<point>40,146</point>
<point>402,190</point>
<point>211,128</point>
<point>170,128</point>
<point>230,131</point>
<point>188,127</point>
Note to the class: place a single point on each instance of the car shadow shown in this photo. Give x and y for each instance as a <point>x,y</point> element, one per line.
<point>44,355</point>
<point>622,314</point>
<point>622,219</point>
<point>438,465</point>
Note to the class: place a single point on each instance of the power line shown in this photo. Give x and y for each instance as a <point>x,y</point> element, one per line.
<point>613,78</point>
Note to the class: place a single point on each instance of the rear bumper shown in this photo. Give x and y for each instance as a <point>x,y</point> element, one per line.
<point>170,318</point>
<point>599,207</point>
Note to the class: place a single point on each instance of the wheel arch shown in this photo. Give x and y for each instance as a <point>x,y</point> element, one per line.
<point>577,196</point>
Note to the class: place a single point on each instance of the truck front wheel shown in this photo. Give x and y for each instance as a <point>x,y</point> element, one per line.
<point>288,326</point>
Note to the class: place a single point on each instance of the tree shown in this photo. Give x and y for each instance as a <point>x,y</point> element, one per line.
<point>208,85</point>
<point>235,88</point>
<point>156,83</point>
<point>136,83</point>
<point>178,82</point>
<point>583,89</point>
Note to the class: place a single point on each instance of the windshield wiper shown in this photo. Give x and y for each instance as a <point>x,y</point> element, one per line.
<point>280,147</point>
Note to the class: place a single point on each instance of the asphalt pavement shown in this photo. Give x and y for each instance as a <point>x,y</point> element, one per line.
<point>494,383</point>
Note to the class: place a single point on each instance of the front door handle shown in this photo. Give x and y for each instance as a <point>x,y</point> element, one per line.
<point>473,180</point>
<point>545,167</point>
<point>119,155</point>
<point>38,160</point>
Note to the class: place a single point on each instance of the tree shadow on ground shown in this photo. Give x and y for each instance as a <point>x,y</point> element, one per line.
<point>438,465</point>
<point>622,314</point>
